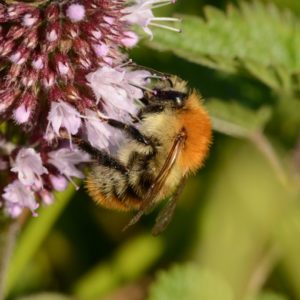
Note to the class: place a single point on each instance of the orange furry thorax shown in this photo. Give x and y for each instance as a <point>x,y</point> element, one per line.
<point>194,119</point>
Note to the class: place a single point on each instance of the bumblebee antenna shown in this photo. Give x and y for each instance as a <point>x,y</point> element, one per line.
<point>144,89</point>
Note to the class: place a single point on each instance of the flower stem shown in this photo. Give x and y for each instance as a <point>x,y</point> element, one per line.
<point>8,233</point>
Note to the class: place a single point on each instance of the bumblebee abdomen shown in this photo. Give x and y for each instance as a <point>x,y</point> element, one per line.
<point>109,188</point>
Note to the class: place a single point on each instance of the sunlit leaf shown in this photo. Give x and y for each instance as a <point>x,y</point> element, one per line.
<point>189,282</point>
<point>258,39</point>
<point>233,119</point>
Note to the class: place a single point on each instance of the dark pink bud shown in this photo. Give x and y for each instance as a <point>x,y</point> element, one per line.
<point>31,18</point>
<point>53,34</point>
<point>19,56</point>
<point>90,4</point>
<point>24,110</point>
<point>81,76</point>
<point>14,11</point>
<point>52,12</point>
<point>31,39</point>
<point>92,31</point>
<point>15,32</point>
<point>6,47</point>
<point>85,103</point>
<point>71,93</point>
<point>63,67</point>
<point>13,73</point>
<point>81,47</point>
<point>55,94</point>
<point>48,78</point>
<point>3,15</point>
<point>38,61</point>
<point>84,62</point>
<point>109,20</point>
<point>29,78</point>
<point>7,98</point>
<point>70,30</point>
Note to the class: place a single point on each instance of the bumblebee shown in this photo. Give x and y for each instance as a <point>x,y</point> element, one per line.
<point>169,140</point>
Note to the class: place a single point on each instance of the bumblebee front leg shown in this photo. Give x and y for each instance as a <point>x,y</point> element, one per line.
<point>102,157</point>
<point>130,130</point>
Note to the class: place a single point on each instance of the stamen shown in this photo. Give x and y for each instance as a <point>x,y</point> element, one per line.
<point>165,27</point>
<point>143,88</point>
<point>73,183</point>
<point>126,63</point>
<point>166,19</point>
<point>161,5</point>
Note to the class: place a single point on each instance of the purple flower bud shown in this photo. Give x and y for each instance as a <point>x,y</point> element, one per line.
<point>15,32</point>
<point>52,12</point>
<point>31,18</point>
<point>58,182</point>
<point>65,160</point>
<point>7,98</point>
<point>23,112</point>
<point>75,12</point>
<point>29,167</point>
<point>46,197</point>
<point>17,197</point>
<point>6,47</point>
<point>14,11</point>
<point>130,39</point>
<point>3,16</point>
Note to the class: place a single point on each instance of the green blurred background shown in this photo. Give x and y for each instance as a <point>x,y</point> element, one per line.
<point>236,231</point>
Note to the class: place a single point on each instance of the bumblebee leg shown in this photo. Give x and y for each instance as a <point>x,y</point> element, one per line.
<point>150,109</point>
<point>103,158</point>
<point>130,130</point>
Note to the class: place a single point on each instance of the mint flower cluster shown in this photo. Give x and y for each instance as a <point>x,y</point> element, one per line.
<point>64,69</point>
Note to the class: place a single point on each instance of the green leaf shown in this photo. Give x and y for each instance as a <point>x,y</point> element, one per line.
<point>189,282</point>
<point>255,38</point>
<point>233,119</point>
<point>34,234</point>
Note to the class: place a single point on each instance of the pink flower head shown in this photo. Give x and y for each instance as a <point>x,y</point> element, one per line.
<point>17,197</point>
<point>28,164</point>
<point>63,70</point>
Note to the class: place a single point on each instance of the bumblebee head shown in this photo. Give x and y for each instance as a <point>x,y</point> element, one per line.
<point>171,92</point>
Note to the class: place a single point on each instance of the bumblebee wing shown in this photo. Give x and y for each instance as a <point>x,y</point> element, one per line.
<point>165,215</point>
<point>148,201</point>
